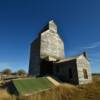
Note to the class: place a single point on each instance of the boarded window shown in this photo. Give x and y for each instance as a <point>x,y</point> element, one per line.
<point>85,73</point>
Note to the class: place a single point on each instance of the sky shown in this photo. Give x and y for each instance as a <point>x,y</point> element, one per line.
<point>78,23</point>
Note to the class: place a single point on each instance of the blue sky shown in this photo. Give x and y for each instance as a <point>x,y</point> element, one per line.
<point>20,21</point>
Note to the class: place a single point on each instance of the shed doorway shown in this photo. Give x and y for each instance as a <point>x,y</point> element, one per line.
<point>46,67</point>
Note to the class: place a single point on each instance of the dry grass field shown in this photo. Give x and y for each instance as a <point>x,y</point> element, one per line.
<point>62,92</point>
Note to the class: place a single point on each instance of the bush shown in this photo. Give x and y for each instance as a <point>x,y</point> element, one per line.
<point>7,72</point>
<point>21,72</point>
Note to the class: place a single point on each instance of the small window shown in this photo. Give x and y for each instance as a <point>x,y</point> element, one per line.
<point>85,73</point>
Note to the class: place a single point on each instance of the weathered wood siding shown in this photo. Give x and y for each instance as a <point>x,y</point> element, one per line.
<point>51,43</point>
<point>34,64</point>
<point>83,63</point>
<point>63,71</point>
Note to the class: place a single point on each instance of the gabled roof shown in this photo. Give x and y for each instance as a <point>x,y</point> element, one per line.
<point>73,58</point>
<point>66,59</point>
<point>46,27</point>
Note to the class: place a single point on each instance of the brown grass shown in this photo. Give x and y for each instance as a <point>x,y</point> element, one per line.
<point>4,95</point>
<point>59,93</point>
<point>62,92</point>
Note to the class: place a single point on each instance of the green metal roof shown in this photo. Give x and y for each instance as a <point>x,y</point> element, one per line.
<point>31,85</point>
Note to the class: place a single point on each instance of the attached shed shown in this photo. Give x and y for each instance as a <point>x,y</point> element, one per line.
<point>75,70</point>
<point>66,70</point>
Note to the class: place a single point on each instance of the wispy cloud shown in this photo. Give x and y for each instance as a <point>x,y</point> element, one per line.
<point>4,65</point>
<point>94,60</point>
<point>92,46</point>
<point>85,48</point>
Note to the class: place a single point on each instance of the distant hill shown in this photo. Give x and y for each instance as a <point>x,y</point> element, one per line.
<point>95,74</point>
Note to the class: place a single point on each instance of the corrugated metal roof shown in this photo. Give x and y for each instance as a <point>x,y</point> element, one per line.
<point>31,85</point>
<point>72,58</point>
<point>68,59</point>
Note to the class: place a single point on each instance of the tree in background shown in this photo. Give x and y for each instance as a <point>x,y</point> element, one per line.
<point>7,72</point>
<point>21,72</point>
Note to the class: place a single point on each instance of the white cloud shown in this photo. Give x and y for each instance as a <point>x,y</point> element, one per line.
<point>94,60</point>
<point>4,66</point>
<point>92,46</point>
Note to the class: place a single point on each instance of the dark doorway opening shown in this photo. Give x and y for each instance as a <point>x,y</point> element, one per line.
<point>70,73</point>
<point>46,68</point>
